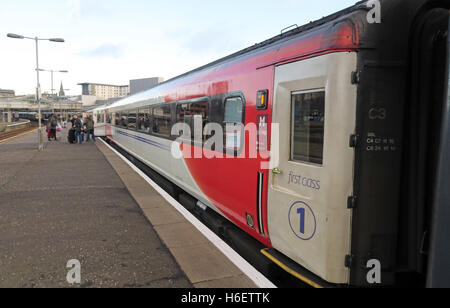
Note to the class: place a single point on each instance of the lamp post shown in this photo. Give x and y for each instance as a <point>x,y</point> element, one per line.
<point>38,87</point>
<point>52,72</point>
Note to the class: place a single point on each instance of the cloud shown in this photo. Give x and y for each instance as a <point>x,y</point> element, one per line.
<point>85,9</point>
<point>223,41</point>
<point>107,50</point>
<point>74,7</point>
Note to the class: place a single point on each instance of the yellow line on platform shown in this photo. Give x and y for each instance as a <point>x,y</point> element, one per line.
<point>20,135</point>
<point>290,271</point>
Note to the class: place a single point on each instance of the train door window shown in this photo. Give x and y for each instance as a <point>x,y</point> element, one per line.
<point>108,117</point>
<point>132,119</point>
<point>187,112</point>
<point>162,120</point>
<point>144,120</point>
<point>308,126</point>
<point>234,111</point>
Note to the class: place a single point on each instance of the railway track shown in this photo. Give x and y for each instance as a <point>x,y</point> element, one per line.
<point>8,135</point>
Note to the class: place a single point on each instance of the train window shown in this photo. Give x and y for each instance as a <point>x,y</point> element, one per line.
<point>162,120</point>
<point>308,126</point>
<point>186,113</point>
<point>123,119</point>
<point>132,119</point>
<point>234,116</point>
<point>234,110</point>
<point>144,120</point>
<point>108,117</point>
<point>117,119</point>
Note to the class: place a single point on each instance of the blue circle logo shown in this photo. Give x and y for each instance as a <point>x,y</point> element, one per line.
<point>302,221</point>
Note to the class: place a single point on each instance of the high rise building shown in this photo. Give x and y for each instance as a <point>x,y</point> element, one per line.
<point>139,85</point>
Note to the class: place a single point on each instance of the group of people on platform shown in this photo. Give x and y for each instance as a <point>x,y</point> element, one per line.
<point>82,129</point>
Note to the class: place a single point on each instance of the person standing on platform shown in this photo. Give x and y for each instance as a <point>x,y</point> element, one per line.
<point>53,124</point>
<point>78,126</point>
<point>89,124</point>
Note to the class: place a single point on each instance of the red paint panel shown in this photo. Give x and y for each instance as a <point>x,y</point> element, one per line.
<point>231,185</point>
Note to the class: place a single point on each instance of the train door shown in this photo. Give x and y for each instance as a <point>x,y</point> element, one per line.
<point>439,258</point>
<point>315,107</point>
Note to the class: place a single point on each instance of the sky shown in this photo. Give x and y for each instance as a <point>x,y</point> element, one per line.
<point>111,41</point>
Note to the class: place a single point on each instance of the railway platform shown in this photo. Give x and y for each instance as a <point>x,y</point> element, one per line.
<point>83,202</point>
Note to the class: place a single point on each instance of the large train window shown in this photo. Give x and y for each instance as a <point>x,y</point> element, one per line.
<point>187,112</point>
<point>308,126</point>
<point>123,119</point>
<point>144,120</point>
<point>162,120</point>
<point>131,119</point>
<point>117,119</point>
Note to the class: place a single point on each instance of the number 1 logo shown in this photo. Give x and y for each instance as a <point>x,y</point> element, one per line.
<point>302,221</point>
<point>302,212</point>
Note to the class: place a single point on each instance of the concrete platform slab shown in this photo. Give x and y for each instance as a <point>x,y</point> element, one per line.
<point>180,235</point>
<point>204,262</point>
<point>239,282</point>
<point>161,216</point>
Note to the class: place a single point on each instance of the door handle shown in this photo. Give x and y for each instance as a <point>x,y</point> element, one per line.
<point>276,171</point>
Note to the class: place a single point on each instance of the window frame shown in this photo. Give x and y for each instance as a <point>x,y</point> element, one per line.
<point>206,99</point>
<point>129,113</point>
<point>138,123</point>
<point>152,120</point>
<point>228,96</point>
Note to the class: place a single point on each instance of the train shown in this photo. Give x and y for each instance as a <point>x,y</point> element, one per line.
<point>28,115</point>
<point>32,116</point>
<point>321,143</point>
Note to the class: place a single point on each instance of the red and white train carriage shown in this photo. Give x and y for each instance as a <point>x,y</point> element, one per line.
<point>327,204</point>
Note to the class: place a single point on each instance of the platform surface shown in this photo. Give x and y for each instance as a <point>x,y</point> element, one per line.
<point>83,202</point>
<point>201,260</point>
<point>68,203</point>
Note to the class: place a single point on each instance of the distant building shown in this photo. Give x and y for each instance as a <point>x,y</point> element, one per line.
<point>61,91</point>
<point>139,85</point>
<point>88,100</point>
<point>104,91</point>
<point>7,93</point>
